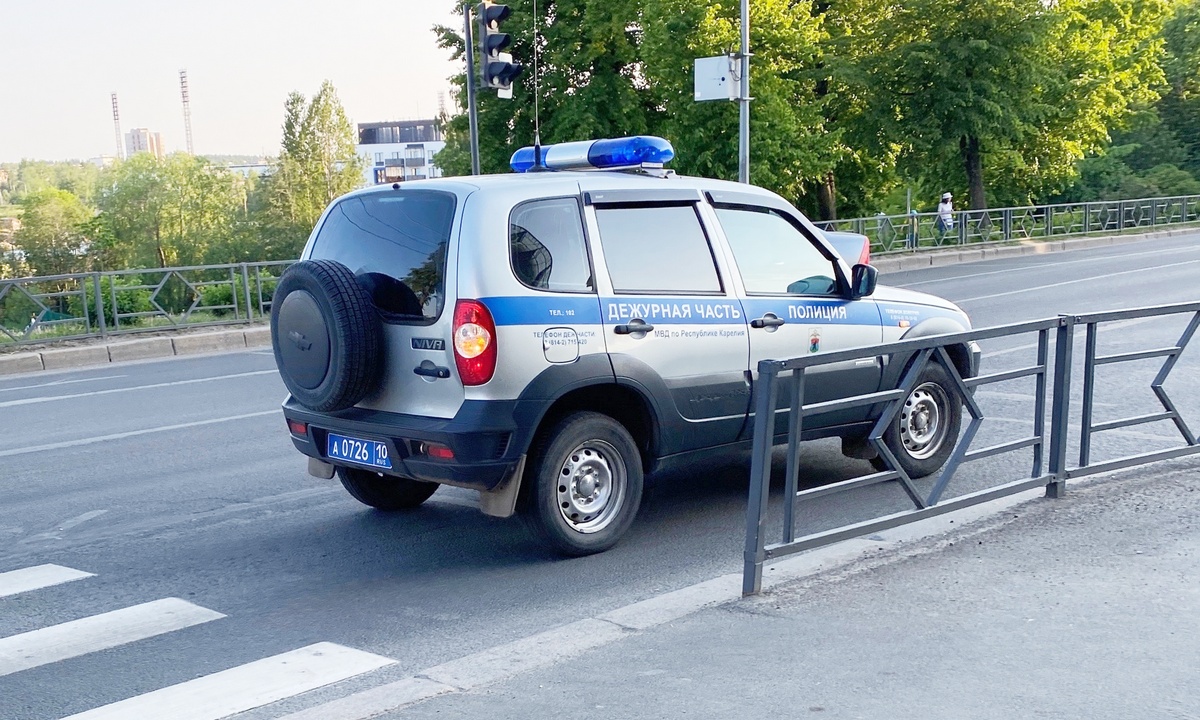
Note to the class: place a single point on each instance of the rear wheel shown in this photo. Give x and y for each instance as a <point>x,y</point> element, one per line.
<point>385,492</point>
<point>925,430</point>
<point>584,486</point>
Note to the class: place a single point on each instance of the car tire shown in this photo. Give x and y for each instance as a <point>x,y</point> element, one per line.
<point>584,484</point>
<point>925,429</point>
<point>326,334</point>
<point>385,492</point>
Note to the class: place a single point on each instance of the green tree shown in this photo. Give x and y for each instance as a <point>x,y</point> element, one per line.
<point>167,212</point>
<point>52,233</point>
<point>1025,86</point>
<point>1180,106</point>
<point>590,82</point>
<point>791,147</point>
<point>317,163</point>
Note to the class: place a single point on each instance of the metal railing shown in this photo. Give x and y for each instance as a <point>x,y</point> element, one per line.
<point>1040,222</point>
<point>1049,467</point>
<point>64,307</point>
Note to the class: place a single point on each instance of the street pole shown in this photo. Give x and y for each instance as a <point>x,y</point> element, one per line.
<point>472,114</point>
<point>744,100</point>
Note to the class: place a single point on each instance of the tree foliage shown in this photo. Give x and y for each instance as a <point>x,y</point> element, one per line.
<point>52,234</point>
<point>588,82</point>
<point>317,163</point>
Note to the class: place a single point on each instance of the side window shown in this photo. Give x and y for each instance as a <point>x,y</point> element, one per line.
<point>773,257</point>
<point>547,248</point>
<point>658,249</point>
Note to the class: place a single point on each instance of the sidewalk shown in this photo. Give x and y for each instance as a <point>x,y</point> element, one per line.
<point>1083,607</point>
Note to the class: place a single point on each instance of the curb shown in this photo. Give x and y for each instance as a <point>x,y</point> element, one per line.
<point>144,349</point>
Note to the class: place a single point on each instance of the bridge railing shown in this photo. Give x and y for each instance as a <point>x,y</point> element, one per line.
<point>61,307</point>
<point>1041,222</point>
<point>779,401</point>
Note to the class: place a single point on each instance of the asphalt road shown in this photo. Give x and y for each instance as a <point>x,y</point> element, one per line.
<point>176,479</point>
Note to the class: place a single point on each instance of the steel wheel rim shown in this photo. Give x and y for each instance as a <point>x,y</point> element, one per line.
<point>923,420</point>
<point>591,486</point>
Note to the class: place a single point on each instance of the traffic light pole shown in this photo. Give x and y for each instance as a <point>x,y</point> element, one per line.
<point>744,99</point>
<point>472,113</point>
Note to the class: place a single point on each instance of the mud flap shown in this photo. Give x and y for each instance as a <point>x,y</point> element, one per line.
<point>501,501</point>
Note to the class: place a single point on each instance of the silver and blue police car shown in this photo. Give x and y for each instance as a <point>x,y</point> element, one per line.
<point>550,337</point>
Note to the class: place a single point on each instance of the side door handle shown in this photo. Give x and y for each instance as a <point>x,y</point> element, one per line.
<point>634,326</point>
<point>767,321</point>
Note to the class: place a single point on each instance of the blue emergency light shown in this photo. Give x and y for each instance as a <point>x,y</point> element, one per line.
<point>597,154</point>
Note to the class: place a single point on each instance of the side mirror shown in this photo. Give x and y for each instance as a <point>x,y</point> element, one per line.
<point>863,279</point>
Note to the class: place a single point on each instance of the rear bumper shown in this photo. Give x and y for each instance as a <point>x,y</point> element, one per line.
<point>483,436</point>
<point>974,357</point>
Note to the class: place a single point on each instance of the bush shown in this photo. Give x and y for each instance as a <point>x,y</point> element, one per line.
<point>127,301</point>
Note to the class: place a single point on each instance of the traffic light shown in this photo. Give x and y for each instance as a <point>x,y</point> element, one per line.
<point>498,68</point>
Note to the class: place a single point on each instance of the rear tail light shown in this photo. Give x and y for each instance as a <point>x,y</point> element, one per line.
<point>865,257</point>
<point>298,428</point>
<point>474,342</point>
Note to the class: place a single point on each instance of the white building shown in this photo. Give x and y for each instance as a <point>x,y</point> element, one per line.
<point>142,140</point>
<point>398,151</point>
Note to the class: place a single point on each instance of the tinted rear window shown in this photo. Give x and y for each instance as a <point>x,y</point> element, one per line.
<point>395,242</point>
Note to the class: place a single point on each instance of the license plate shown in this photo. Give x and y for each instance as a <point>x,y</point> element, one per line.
<point>364,452</point>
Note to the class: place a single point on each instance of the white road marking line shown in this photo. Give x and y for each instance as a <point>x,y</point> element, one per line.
<point>132,433</point>
<point>1025,291</point>
<point>52,398</point>
<point>61,382</point>
<point>245,687</point>
<point>14,582</point>
<point>99,632</point>
<point>60,528</point>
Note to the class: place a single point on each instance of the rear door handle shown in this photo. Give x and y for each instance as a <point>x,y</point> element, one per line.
<point>634,326</point>
<point>765,322</point>
<point>428,369</point>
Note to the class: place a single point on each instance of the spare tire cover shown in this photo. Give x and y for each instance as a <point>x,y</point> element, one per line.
<point>326,334</point>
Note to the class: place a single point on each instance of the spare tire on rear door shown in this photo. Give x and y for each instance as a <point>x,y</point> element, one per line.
<point>326,334</point>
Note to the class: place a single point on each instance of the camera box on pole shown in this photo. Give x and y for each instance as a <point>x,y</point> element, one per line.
<point>716,78</point>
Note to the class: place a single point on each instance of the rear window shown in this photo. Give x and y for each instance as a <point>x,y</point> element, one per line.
<point>395,242</point>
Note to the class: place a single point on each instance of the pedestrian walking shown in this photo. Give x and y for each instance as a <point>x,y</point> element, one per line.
<point>945,218</point>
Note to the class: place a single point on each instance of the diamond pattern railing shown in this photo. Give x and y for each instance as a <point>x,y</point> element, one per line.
<point>1051,373</point>
<point>61,307</point>
<point>920,230</point>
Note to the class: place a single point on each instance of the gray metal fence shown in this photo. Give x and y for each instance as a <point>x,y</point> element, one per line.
<point>1049,466</point>
<point>62,307</point>
<point>921,230</point>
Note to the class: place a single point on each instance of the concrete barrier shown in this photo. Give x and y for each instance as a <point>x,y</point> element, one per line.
<point>141,349</point>
<point>13,363</point>
<point>209,342</point>
<point>258,337</point>
<point>74,357</point>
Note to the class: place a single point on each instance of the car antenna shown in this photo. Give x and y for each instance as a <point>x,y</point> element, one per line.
<point>537,122</point>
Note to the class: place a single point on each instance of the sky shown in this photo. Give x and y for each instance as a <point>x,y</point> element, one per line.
<point>64,58</point>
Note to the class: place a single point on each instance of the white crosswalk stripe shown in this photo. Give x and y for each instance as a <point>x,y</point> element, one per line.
<point>244,687</point>
<point>15,582</point>
<point>99,632</point>
<point>210,697</point>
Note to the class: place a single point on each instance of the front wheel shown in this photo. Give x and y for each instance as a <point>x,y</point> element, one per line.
<point>385,492</point>
<point>925,429</point>
<point>584,485</point>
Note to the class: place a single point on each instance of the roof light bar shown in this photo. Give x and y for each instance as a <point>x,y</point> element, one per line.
<point>597,154</point>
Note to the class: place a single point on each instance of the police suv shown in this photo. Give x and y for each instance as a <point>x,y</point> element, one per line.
<point>550,337</point>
